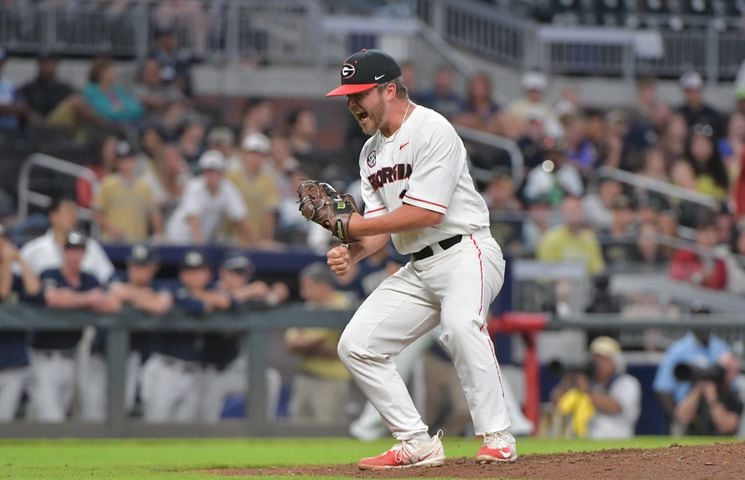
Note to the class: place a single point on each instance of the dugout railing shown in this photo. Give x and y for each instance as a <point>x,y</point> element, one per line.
<point>257,325</point>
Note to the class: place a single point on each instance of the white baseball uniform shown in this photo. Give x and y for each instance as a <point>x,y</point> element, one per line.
<point>424,164</point>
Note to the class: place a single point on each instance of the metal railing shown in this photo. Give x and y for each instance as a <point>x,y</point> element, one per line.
<point>517,161</point>
<point>28,197</point>
<point>283,31</point>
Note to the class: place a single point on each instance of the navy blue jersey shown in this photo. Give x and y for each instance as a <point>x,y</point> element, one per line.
<point>61,340</point>
<point>13,344</point>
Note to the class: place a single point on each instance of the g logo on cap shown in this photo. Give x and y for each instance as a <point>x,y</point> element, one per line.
<point>347,71</point>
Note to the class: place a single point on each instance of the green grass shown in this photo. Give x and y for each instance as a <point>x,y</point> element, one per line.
<point>177,459</point>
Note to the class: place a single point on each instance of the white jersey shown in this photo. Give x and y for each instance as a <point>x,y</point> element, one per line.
<point>198,201</point>
<point>43,253</point>
<point>423,164</point>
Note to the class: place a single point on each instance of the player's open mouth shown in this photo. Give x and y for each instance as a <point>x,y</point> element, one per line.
<point>361,116</point>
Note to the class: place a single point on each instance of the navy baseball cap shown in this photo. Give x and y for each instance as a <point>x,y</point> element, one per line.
<point>193,259</point>
<point>238,263</point>
<point>364,70</point>
<point>142,254</point>
<point>76,239</point>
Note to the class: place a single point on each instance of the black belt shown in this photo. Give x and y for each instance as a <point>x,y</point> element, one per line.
<point>444,244</point>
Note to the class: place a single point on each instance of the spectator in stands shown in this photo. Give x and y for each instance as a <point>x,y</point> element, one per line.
<point>653,165</point>
<point>302,130</point>
<point>170,175</point>
<point>259,116</point>
<point>734,259</point>
<point>320,389</point>
<point>698,348</point>
<point>505,210</point>
<point>290,229</point>
<point>51,101</point>
<point>713,406</point>
<point>598,203</point>
<point>14,371</point>
<point>480,111</point>
<point>46,251</point>
<point>569,102</point>
<point>647,254</point>
<point>171,375</point>
<point>11,107</point>
<point>618,240</point>
<point>190,140</point>
<point>732,147</point>
<point>699,265</point>
<point>69,287</point>
<point>604,402</point>
<point>108,98</point>
<point>537,223</point>
<point>616,149</point>
<point>442,97</point>
<point>222,139</point>
<point>283,164</point>
<point>579,152</point>
<point>207,200</point>
<point>694,109</point>
<point>152,91</point>
<point>531,141</point>
<point>642,134</point>
<point>258,187</point>
<point>534,84</point>
<point>103,163</point>
<point>702,154</point>
<point>554,177</point>
<point>572,241</point>
<point>138,288</point>
<point>175,64</point>
<point>224,367</point>
<point>674,138</point>
<point>125,205</point>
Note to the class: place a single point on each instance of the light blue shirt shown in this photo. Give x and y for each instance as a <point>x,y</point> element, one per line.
<point>8,95</point>
<point>686,350</point>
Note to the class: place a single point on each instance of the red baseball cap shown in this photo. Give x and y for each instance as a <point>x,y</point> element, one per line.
<point>365,70</point>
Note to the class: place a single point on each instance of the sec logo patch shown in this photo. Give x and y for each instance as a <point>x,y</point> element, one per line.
<point>371,159</point>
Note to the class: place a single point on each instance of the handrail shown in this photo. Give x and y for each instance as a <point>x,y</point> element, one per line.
<point>516,156</point>
<point>26,196</point>
<point>659,186</point>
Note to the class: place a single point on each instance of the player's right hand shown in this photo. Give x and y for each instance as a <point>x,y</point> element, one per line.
<point>338,260</point>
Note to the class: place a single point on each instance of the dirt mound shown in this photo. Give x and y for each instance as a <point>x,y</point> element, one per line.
<point>719,461</point>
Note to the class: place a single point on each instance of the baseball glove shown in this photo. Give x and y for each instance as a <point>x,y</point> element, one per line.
<point>323,205</point>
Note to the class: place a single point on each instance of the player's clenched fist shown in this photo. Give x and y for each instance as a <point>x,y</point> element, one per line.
<point>338,260</point>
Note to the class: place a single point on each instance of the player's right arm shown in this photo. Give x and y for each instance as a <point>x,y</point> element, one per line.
<point>342,257</point>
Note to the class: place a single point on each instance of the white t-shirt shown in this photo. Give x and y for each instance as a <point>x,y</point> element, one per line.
<point>627,391</point>
<point>423,164</point>
<point>210,209</point>
<point>43,253</point>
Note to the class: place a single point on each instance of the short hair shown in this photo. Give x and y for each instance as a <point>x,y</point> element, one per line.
<point>56,202</point>
<point>401,90</point>
<point>318,272</point>
<point>98,66</point>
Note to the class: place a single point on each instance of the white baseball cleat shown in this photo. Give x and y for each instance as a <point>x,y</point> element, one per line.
<point>408,454</point>
<point>497,447</point>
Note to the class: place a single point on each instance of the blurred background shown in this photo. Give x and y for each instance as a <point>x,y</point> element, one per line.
<point>157,278</point>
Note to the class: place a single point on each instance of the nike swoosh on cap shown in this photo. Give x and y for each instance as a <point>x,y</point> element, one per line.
<point>378,77</point>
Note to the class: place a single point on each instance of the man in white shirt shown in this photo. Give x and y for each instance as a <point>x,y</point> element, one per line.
<point>207,199</point>
<point>418,192</point>
<point>45,252</point>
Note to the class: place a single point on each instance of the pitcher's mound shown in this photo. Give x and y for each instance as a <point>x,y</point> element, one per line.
<point>718,461</point>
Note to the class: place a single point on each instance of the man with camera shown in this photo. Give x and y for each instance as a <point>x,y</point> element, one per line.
<point>602,399</point>
<point>697,351</point>
<point>712,406</point>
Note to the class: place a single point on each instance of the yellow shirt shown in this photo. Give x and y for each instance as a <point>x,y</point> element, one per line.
<point>318,366</point>
<point>705,184</point>
<point>559,245</point>
<point>125,206</point>
<point>260,194</point>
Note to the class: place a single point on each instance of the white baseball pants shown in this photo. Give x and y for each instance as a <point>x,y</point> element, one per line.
<point>52,384</point>
<point>170,389</point>
<point>454,288</point>
<point>93,382</point>
<point>12,383</point>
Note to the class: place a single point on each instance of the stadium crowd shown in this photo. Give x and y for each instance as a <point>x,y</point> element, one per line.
<point>171,174</point>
